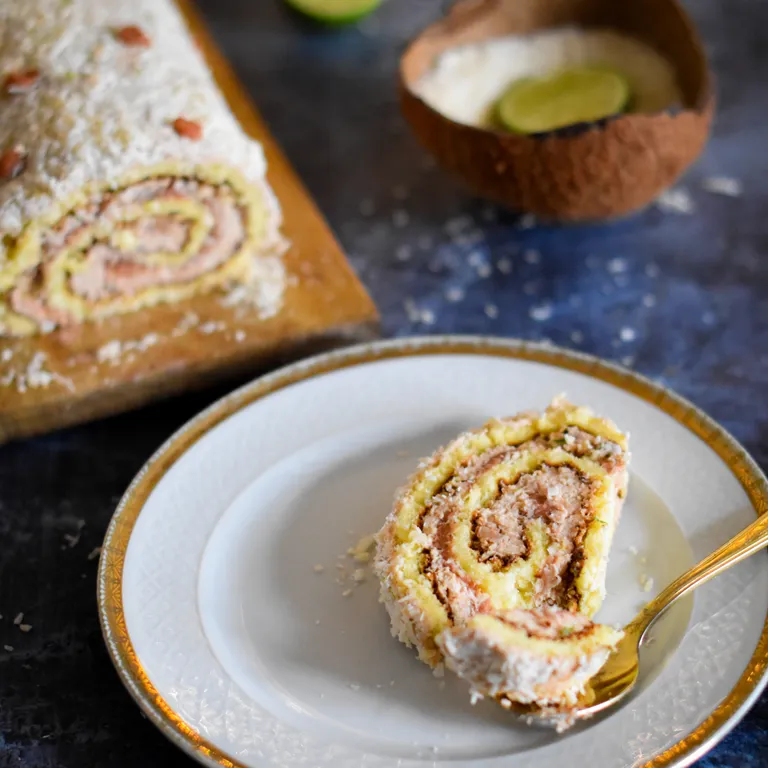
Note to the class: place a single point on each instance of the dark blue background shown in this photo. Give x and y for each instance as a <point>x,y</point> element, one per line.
<point>679,297</point>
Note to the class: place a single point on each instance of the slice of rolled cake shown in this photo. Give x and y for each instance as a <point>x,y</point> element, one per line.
<point>125,181</point>
<point>543,656</point>
<point>518,514</point>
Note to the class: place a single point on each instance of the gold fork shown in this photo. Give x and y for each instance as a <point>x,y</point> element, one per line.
<point>619,674</point>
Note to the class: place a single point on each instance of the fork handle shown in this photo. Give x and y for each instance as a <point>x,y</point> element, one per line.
<point>753,538</point>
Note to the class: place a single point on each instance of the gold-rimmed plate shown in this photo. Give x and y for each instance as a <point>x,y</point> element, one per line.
<point>244,653</point>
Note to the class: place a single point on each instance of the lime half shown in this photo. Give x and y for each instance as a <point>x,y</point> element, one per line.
<point>334,11</point>
<point>578,95</point>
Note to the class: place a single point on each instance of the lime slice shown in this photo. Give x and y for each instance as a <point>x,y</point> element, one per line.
<point>334,11</point>
<point>578,95</point>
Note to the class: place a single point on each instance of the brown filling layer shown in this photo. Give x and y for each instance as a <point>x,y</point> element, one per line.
<point>110,271</point>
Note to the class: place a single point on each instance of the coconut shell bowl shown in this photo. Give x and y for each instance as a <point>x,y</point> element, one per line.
<point>582,172</point>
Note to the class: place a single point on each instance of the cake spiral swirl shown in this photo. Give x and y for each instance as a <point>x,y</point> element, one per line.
<point>517,515</point>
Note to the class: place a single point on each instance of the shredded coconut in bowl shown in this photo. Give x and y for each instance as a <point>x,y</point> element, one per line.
<point>467,80</point>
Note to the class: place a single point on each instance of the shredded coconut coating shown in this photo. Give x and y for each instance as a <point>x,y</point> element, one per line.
<point>541,657</point>
<point>100,108</point>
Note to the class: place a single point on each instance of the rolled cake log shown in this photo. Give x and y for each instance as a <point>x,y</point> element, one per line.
<point>543,657</point>
<point>518,514</point>
<point>125,181</point>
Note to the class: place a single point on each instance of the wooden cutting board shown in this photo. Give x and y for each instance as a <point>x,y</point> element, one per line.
<point>78,374</point>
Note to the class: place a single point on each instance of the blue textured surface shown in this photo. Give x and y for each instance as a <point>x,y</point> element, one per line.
<point>679,297</point>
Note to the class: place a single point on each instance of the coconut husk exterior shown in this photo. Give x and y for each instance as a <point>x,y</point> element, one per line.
<point>581,173</point>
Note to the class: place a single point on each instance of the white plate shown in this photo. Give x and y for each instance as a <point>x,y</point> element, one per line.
<point>239,651</point>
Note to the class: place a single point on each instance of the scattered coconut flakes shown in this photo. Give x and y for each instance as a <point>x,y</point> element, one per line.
<point>456,225</point>
<point>646,582</point>
<point>504,266</point>
<point>190,319</point>
<point>454,294</point>
<point>354,686</point>
<point>649,300</point>
<point>541,313</point>
<point>239,335</point>
<point>318,568</point>
<point>400,218</point>
<point>532,256</point>
<point>25,627</point>
<point>36,376</point>
<point>632,549</point>
<point>361,550</point>
<point>212,326</point>
<point>94,553</point>
<point>491,311</point>
<point>627,334</point>
<point>473,237</point>
<point>427,317</point>
<point>722,185</point>
<point>6,355</point>
<point>577,337</point>
<point>616,266</point>
<point>476,259</point>
<point>113,351</point>
<point>677,200</point>
<point>317,622</point>
<point>18,619</point>
<point>71,539</point>
<point>358,575</point>
<point>346,593</point>
<point>403,253</point>
<point>8,648</point>
<point>628,361</point>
